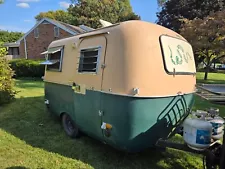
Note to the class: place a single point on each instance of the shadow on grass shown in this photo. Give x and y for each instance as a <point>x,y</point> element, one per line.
<point>16,167</point>
<point>28,83</point>
<point>211,81</point>
<point>31,122</point>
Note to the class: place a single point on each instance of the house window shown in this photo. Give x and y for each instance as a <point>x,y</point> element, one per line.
<point>36,33</point>
<point>13,51</point>
<point>89,60</point>
<point>54,58</point>
<point>56,31</point>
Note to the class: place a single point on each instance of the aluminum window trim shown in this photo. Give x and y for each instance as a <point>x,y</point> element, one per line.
<point>59,48</point>
<point>99,48</point>
<point>60,61</point>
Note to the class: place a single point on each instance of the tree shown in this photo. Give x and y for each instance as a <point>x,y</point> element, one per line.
<point>207,36</point>
<point>88,12</point>
<point>6,82</point>
<point>161,2</point>
<point>59,15</point>
<point>7,92</point>
<point>174,11</point>
<point>6,36</point>
<point>3,50</point>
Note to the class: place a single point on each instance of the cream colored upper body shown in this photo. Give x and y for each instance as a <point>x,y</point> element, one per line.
<point>133,59</point>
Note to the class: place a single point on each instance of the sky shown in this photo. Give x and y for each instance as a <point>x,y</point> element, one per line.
<point>18,15</point>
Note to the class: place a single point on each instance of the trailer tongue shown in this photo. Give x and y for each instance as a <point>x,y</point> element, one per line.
<point>199,138</point>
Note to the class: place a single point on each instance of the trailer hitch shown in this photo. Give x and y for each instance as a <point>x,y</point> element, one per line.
<point>212,157</point>
<point>215,157</point>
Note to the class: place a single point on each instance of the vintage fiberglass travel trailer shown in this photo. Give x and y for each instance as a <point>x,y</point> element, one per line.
<point>127,84</point>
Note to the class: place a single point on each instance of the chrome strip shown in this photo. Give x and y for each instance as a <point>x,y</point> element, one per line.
<point>145,96</point>
<point>124,95</point>
<point>58,83</point>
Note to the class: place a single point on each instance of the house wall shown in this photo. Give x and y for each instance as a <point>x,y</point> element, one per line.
<point>22,50</point>
<point>35,46</point>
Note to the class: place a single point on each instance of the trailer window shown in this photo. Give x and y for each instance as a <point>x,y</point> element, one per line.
<point>178,55</point>
<point>54,58</point>
<point>89,60</point>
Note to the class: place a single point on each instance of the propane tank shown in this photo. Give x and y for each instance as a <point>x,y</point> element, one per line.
<point>197,133</point>
<point>217,127</point>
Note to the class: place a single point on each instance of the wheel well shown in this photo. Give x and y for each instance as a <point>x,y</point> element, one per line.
<point>61,115</point>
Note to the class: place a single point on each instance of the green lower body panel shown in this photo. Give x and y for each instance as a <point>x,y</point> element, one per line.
<point>137,123</point>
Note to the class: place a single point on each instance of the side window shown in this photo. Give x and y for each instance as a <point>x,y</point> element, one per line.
<point>36,33</point>
<point>89,60</point>
<point>55,57</point>
<point>56,31</point>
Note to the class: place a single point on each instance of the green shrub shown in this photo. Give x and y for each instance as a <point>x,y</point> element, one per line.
<point>3,50</point>
<point>27,68</point>
<point>6,82</point>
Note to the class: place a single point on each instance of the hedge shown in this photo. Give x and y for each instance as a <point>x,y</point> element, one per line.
<point>27,68</point>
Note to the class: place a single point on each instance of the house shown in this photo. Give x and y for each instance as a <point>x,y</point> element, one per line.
<point>38,38</point>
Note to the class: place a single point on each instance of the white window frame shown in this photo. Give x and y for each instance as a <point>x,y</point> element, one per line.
<point>56,33</point>
<point>60,62</point>
<point>170,67</point>
<point>36,33</point>
<point>98,59</point>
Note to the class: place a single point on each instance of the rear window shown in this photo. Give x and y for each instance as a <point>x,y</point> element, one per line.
<point>178,55</point>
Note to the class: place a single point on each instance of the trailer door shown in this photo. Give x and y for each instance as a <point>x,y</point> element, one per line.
<point>88,84</point>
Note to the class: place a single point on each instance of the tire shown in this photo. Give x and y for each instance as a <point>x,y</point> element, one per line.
<point>69,126</point>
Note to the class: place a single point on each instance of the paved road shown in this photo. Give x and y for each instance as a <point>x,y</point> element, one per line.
<point>215,88</point>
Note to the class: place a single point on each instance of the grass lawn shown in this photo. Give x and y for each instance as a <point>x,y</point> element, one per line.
<point>32,138</point>
<point>212,78</point>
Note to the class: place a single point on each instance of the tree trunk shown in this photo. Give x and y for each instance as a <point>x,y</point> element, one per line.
<point>208,65</point>
<point>206,72</point>
<point>206,75</point>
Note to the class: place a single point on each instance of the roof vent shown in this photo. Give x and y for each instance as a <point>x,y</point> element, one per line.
<point>105,23</point>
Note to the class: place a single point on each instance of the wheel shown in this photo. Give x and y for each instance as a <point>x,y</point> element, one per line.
<point>69,126</point>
